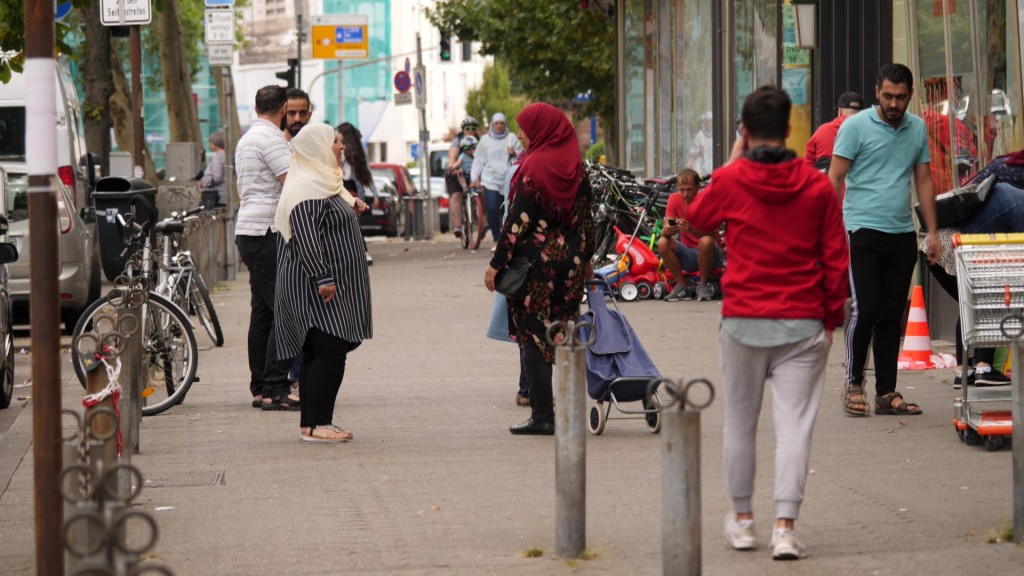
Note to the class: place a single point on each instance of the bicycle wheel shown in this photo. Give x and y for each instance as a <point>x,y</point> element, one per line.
<point>169,351</point>
<point>481,220</point>
<point>200,303</point>
<point>467,219</point>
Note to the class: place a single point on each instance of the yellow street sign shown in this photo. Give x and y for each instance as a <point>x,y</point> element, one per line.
<point>340,36</point>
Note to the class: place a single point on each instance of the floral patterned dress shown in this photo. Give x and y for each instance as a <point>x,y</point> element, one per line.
<point>562,244</point>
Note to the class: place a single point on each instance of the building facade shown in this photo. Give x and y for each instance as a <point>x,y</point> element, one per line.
<point>673,70</point>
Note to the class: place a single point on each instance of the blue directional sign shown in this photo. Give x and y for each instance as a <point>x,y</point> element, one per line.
<point>219,3</point>
<point>348,35</point>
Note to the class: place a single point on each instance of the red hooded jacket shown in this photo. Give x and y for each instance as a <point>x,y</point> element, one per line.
<point>787,244</point>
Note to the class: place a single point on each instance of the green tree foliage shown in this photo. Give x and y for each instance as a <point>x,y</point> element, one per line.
<point>495,95</point>
<point>12,36</point>
<point>554,50</point>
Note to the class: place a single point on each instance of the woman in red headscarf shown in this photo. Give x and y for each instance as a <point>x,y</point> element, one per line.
<point>548,222</point>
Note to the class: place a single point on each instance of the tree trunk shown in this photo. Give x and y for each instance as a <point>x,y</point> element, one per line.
<point>121,114</point>
<point>99,85</point>
<point>182,118</point>
<point>611,141</point>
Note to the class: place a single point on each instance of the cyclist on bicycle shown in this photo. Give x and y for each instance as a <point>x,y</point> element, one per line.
<point>451,180</point>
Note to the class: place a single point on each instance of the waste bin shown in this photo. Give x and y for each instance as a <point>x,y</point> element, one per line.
<point>112,196</point>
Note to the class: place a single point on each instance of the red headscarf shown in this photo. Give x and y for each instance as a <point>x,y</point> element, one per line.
<point>553,160</point>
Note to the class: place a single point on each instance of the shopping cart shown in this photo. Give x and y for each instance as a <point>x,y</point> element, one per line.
<point>990,278</point>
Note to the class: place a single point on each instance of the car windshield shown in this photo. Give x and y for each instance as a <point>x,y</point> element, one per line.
<point>17,197</point>
<point>438,163</point>
<point>12,132</point>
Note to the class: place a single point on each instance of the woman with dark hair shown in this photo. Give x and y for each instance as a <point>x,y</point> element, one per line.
<point>548,222</point>
<point>356,170</point>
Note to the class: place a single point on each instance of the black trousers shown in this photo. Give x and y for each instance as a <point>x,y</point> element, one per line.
<point>538,379</point>
<point>881,266</point>
<point>323,369</point>
<point>268,374</point>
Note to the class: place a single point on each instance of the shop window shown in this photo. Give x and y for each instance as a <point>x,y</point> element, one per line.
<point>970,100</point>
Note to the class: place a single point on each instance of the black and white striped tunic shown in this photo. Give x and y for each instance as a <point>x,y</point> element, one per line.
<point>326,248</point>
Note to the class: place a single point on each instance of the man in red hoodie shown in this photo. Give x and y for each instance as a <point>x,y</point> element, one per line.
<point>784,292</point>
<point>819,148</point>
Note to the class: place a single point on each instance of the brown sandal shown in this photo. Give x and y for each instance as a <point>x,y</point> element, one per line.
<point>851,405</point>
<point>884,405</point>
<point>327,433</point>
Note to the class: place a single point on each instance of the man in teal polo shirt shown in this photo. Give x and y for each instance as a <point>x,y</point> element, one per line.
<point>876,153</point>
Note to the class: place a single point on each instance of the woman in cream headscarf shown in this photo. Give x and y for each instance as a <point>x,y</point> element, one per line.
<point>322,305</point>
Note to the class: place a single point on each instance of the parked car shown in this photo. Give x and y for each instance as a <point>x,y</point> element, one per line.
<point>385,214</point>
<point>8,254</point>
<point>75,168</point>
<point>406,184</point>
<point>79,274</point>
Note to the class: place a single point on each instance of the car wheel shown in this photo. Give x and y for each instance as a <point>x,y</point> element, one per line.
<point>401,221</point>
<point>7,374</point>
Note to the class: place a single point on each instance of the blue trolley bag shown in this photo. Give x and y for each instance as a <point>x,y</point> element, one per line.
<point>616,362</point>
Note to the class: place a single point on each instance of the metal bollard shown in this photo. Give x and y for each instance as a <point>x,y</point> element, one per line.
<point>570,438</point>
<point>680,457</point>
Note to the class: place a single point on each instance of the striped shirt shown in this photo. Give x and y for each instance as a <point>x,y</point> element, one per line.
<point>326,248</point>
<point>262,155</point>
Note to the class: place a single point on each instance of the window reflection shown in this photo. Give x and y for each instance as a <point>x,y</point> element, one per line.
<point>964,136</point>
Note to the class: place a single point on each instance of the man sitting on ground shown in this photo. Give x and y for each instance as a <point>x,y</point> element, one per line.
<point>682,247</point>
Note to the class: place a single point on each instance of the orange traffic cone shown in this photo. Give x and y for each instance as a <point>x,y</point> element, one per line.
<point>917,343</point>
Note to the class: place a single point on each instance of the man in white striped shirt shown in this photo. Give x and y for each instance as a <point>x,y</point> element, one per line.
<point>261,161</point>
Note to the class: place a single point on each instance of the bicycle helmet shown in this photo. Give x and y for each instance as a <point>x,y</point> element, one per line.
<point>469,122</point>
<point>468,143</point>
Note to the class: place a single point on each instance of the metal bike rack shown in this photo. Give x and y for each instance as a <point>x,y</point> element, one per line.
<point>102,533</point>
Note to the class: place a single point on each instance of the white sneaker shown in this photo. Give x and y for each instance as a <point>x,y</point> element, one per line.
<point>705,293</point>
<point>741,535</point>
<point>785,545</point>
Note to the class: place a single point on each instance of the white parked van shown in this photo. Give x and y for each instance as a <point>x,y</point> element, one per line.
<point>70,138</point>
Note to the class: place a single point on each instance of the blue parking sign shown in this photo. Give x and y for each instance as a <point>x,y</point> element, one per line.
<point>414,151</point>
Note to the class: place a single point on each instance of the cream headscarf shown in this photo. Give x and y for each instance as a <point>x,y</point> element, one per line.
<point>313,174</point>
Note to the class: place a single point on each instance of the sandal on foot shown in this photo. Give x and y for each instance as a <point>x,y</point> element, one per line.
<point>851,405</point>
<point>257,401</point>
<point>328,433</point>
<point>284,402</point>
<point>884,405</point>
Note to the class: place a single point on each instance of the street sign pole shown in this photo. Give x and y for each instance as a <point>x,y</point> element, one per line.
<point>424,136</point>
<point>41,160</point>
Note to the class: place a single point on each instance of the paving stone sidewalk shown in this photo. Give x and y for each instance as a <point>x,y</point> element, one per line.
<point>434,484</point>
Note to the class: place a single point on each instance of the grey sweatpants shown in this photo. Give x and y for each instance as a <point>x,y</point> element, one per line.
<point>797,373</point>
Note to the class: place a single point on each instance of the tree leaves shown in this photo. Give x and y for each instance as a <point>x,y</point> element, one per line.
<point>554,50</point>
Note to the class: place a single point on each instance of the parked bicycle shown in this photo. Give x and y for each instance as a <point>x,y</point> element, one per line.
<point>169,348</point>
<point>179,278</point>
<point>620,200</point>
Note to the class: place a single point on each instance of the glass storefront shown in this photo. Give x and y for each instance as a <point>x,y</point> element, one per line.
<point>965,56</point>
<point>665,82</point>
<point>666,79</point>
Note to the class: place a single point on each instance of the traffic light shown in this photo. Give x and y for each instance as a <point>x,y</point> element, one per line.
<point>446,48</point>
<point>289,75</point>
